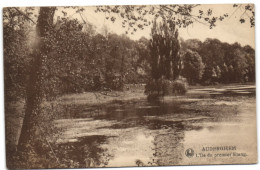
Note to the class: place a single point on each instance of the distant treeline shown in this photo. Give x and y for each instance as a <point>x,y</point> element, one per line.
<point>222,62</point>
<point>80,59</point>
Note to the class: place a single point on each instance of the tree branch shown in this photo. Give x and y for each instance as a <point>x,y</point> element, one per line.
<point>28,18</point>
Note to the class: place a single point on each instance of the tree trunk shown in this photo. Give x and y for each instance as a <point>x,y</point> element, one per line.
<point>34,92</point>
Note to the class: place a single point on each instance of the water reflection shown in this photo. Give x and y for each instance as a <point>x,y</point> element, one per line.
<point>85,152</point>
<point>168,148</point>
<point>139,133</point>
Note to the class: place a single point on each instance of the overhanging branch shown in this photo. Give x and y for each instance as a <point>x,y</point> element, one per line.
<point>22,13</point>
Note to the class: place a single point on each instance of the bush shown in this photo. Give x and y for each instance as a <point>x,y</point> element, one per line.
<point>180,86</point>
<point>156,88</point>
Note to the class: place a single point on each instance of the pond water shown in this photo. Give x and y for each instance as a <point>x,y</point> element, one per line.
<point>138,133</point>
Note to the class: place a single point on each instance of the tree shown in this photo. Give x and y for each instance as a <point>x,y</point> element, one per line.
<point>224,63</point>
<point>191,44</point>
<point>66,70</point>
<point>240,66</point>
<point>34,93</point>
<point>212,56</point>
<point>119,60</point>
<point>250,57</point>
<point>142,65</point>
<point>193,67</point>
<point>165,60</point>
<point>16,62</point>
<point>164,49</point>
<point>16,51</point>
<point>236,62</point>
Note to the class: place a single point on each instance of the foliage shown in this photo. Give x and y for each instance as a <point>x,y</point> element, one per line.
<point>138,17</point>
<point>190,44</point>
<point>38,152</point>
<point>224,63</point>
<point>180,86</point>
<point>16,55</point>
<point>249,11</point>
<point>143,66</point>
<point>81,60</point>
<point>164,59</point>
<point>83,46</point>
<point>164,49</point>
<point>193,67</point>
<point>156,88</point>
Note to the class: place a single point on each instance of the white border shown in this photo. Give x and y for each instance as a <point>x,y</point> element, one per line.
<point>6,3</point>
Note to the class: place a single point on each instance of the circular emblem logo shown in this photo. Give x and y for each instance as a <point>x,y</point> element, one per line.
<point>189,153</point>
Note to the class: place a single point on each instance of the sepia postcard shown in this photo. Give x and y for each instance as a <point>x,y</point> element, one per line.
<point>126,86</point>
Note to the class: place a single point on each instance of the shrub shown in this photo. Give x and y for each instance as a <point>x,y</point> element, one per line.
<point>179,86</point>
<point>156,88</point>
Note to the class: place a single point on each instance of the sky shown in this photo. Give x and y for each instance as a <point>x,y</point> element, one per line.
<point>229,30</point>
